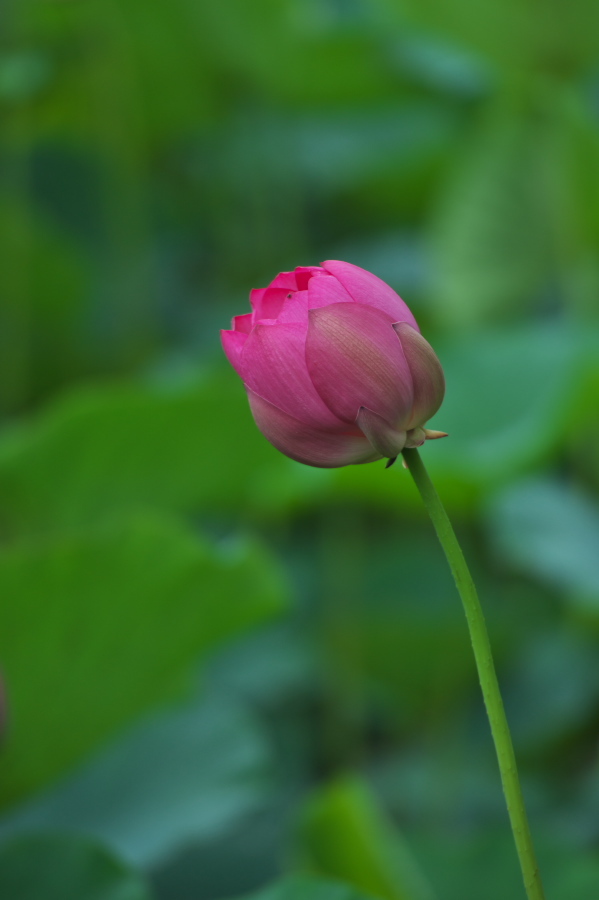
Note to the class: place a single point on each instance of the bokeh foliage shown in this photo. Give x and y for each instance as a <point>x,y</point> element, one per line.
<point>224,673</point>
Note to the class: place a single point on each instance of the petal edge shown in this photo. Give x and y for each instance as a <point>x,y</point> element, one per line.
<point>364,287</point>
<point>273,365</point>
<point>233,343</point>
<point>427,374</point>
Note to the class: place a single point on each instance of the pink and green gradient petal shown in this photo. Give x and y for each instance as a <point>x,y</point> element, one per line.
<point>325,449</point>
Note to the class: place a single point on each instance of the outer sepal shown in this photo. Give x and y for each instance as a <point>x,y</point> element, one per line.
<point>385,439</point>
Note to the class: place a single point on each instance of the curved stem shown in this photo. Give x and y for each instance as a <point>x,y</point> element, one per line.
<point>486,673</point>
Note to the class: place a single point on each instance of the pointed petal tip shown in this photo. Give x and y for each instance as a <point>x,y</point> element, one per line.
<point>233,343</point>
<point>242,323</point>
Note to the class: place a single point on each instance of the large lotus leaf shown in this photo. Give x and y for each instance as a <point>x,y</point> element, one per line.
<point>552,687</point>
<point>550,530</point>
<point>98,451</point>
<point>511,33</point>
<point>189,774</point>
<point>511,396</point>
<point>98,627</point>
<point>49,867</point>
<point>490,226</point>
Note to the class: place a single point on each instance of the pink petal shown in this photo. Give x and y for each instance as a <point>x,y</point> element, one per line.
<point>285,280</point>
<point>427,374</point>
<point>243,323</point>
<point>295,308</point>
<point>306,444</point>
<point>386,440</point>
<point>303,274</point>
<point>366,288</point>
<point>273,365</point>
<point>268,302</point>
<point>256,296</point>
<point>233,343</point>
<point>326,289</point>
<point>355,359</point>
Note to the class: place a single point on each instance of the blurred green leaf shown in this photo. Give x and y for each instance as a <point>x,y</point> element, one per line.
<point>573,186</point>
<point>484,863</point>
<point>435,783</point>
<point>501,31</point>
<point>392,625</point>
<point>513,34</point>
<point>22,75</point>
<point>490,229</point>
<point>342,151</point>
<point>123,52</point>
<point>269,666</point>
<point>99,627</point>
<point>304,887</point>
<point>344,835</point>
<point>243,858</point>
<point>335,59</point>
<point>550,530</point>
<point>552,688</point>
<point>189,774</point>
<point>102,450</point>
<point>511,397</point>
<point>47,867</point>
<point>42,281</point>
<point>181,64</point>
<point>445,66</point>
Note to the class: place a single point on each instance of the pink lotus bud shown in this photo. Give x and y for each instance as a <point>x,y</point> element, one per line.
<point>335,367</point>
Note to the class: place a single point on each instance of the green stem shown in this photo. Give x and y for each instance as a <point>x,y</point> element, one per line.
<point>486,673</point>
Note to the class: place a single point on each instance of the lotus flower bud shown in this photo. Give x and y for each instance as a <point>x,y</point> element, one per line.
<point>335,367</point>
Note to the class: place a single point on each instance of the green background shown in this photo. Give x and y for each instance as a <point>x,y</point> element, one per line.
<point>225,673</point>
